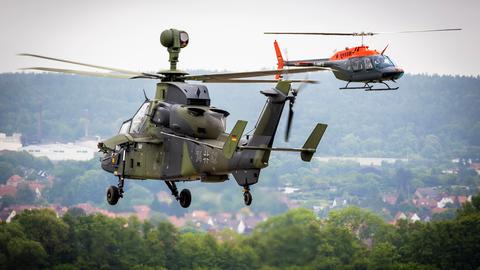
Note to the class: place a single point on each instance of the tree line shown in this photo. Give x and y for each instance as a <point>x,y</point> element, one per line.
<point>429,116</point>
<point>350,238</point>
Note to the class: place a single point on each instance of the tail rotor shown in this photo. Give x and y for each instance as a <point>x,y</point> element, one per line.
<point>292,95</point>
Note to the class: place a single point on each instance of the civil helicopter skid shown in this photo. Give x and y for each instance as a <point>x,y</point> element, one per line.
<point>357,64</point>
<point>178,136</point>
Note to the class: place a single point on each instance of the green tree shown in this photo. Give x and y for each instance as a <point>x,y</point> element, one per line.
<point>287,240</point>
<point>6,170</point>
<point>46,228</point>
<point>25,195</point>
<point>26,254</point>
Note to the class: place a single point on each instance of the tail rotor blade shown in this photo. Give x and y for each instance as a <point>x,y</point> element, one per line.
<point>289,121</point>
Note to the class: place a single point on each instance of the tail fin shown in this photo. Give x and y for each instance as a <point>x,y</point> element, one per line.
<point>312,142</point>
<point>233,139</point>
<point>280,62</point>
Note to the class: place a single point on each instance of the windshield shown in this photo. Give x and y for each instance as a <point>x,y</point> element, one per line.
<point>125,127</point>
<point>382,61</point>
<point>139,118</point>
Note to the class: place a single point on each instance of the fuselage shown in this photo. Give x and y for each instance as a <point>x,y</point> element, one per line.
<point>358,64</point>
<point>179,136</point>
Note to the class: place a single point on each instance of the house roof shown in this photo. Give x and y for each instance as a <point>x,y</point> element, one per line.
<point>177,222</point>
<point>35,184</point>
<point>142,211</point>
<point>439,210</point>
<point>475,165</point>
<point>14,180</point>
<point>400,215</point>
<point>390,198</point>
<point>427,192</point>
<point>8,191</point>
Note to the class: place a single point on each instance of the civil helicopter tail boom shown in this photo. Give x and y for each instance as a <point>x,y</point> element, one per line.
<point>281,63</point>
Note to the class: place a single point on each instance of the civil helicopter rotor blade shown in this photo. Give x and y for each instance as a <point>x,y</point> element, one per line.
<point>361,33</point>
<point>117,70</point>
<point>322,33</point>
<point>420,31</point>
<point>80,72</point>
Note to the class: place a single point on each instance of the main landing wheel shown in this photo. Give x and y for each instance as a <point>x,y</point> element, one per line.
<point>185,198</point>
<point>113,194</point>
<point>247,198</point>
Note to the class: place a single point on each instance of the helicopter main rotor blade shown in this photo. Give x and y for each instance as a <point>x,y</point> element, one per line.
<point>258,81</point>
<point>134,73</point>
<point>420,31</point>
<point>235,75</point>
<point>80,72</point>
<point>360,33</point>
<point>313,33</point>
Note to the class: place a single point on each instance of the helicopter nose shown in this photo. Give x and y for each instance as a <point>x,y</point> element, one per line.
<point>393,74</point>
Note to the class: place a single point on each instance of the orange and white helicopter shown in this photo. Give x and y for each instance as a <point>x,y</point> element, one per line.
<point>357,64</point>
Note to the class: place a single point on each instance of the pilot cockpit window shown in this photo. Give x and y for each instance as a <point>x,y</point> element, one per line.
<point>125,127</point>
<point>382,61</point>
<point>138,120</point>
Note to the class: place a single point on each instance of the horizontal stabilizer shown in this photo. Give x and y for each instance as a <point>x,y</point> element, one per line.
<point>233,139</point>
<point>312,142</point>
<point>306,151</point>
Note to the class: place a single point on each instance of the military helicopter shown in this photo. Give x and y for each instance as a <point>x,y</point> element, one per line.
<point>357,64</point>
<point>178,136</point>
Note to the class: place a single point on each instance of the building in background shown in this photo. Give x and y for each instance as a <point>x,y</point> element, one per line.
<point>11,143</point>
<point>61,151</point>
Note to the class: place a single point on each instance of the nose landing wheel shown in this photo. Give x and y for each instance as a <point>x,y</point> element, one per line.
<point>115,193</point>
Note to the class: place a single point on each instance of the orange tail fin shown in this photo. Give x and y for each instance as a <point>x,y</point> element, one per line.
<point>280,62</point>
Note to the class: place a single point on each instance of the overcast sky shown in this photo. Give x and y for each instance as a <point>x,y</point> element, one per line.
<point>228,35</point>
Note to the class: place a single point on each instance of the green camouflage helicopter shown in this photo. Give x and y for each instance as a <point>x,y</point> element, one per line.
<point>177,136</point>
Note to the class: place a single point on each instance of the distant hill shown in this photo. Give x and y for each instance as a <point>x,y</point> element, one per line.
<point>429,116</point>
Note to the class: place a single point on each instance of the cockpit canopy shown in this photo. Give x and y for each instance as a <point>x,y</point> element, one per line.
<point>189,118</point>
<point>137,122</point>
<point>382,61</point>
<point>369,62</point>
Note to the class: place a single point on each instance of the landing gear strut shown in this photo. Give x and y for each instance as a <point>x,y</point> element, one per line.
<point>115,193</point>
<point>247,196</point>
<point>185,197</point>
<point>368,87</point>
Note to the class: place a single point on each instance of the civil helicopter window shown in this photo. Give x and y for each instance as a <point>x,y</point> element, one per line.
<point>382,62</point>
<point>125,127</point>
<point>357,64</point>
<point>368,63</point>
<point>139,119</point>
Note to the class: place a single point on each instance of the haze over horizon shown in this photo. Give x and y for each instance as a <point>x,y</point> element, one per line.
<point>229,36</point>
